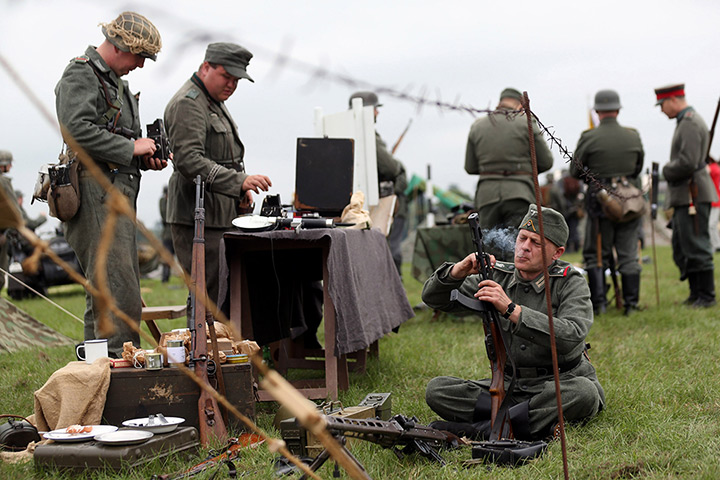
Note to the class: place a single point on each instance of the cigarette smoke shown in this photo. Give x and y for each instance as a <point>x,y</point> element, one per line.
<point>501,241</point>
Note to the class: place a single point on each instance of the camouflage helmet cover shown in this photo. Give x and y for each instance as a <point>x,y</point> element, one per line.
<point>370,99</point>
<point>131,32</point>
<point>6,158</point>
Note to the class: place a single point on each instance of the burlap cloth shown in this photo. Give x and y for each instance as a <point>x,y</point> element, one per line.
<point>73,395</point>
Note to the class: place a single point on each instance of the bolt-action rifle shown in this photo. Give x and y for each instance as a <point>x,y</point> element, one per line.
<point>211,422</point>
<point>494,340</point>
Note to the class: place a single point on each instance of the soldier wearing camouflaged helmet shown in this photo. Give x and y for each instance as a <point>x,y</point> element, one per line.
<point>97,110</point>
<point>6,160</point>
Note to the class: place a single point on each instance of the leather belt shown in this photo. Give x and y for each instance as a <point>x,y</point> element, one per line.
<point>506,173</point>
<point>542,371</point>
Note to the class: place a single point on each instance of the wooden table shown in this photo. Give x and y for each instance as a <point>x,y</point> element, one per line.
<point>363,296</point>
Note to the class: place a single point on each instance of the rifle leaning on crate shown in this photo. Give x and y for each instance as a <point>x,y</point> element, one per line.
<point>210,418</point>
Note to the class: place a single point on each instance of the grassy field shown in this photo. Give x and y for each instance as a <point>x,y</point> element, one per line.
<point>662,419</point>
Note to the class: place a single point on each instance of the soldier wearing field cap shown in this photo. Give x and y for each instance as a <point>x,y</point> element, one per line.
<point>205,141</point>
<point>517,291</point>
<point>97,110</point>
<point>498,149</point>
<point>690,194</point>
<point>604,156</point>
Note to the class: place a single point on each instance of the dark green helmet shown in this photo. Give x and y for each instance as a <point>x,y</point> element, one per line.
<point>370,99</point>
<point>607,101</point>
<point>131,32</point>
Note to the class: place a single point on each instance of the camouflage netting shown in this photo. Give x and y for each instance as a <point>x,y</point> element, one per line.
<point>19,330</point>
<point>134,32</point>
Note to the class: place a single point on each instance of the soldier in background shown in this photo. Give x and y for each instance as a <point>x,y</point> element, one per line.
<point>99,112</point>
<point>690,193</point>
<point>390,169</point>
<point>166,234</point>
<point>205,141</point>
<point>609,152</point>
<point>498,149</point>
<point>6,160</point>
<point>31,223</point>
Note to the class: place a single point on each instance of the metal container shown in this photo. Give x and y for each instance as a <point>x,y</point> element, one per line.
<point>175,352</point>
<point>153,361</point>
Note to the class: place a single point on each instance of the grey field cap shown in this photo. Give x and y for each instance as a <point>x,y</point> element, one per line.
<point>607,100</point>
<point>231,56</point>
<point>6,157</point>
<point>511,93</point>
<point>554,225</point>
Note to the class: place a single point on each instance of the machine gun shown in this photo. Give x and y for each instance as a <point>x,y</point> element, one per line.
<point>494,340</point>
<point>401,434</point>
<point>156,131</point>
<point>210,418</point>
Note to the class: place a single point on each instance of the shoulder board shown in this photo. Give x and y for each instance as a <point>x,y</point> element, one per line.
<point>192,93</point>
<point>560,269</point>
<point>81,59</point>
<point>588,130</point>
<point>689,114</point>
<point>631,129</point>
<point>504,267</point>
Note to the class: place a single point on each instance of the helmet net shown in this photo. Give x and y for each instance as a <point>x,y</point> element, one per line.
<point>136,32</point>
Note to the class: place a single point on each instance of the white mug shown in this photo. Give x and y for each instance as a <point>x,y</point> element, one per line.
<point>92,350</point>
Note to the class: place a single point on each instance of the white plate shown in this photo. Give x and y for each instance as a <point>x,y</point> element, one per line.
<point>60,435</point>
<point>123,437</point>
<point>157,427</point>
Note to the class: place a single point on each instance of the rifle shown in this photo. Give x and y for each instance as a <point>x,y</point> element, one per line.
<point>494,340</point>
<point>399,431</point>
<point>210,419</point>
<point>402,135</point>
<point>653,216</point>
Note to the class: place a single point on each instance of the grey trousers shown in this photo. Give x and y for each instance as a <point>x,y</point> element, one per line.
<point>454,400</point>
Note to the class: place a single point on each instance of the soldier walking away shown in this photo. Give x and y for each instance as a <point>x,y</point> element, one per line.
<point>690,193</point>
<point>605,155</point>
<point>392,180</point>
<point>99,112</point>
<point>498,149</point>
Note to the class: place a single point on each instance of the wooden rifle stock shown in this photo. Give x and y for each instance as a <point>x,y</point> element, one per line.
<point>494,343</point>
<point>210,418</point>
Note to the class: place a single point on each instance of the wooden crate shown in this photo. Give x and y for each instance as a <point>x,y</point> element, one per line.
<point>137,393</point>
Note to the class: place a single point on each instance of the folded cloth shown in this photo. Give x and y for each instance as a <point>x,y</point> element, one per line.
<point>73,395</point>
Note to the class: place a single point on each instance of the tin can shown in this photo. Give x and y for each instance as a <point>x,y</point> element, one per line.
<point>241,358</point>
<point>153,361</point>
<point>175,352</point>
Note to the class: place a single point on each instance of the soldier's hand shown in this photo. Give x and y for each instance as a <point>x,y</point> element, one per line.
<point>256,183</point>
<point>144,147</point>
<point>154,163</point>
<point>464,267</point>
<point>491,291</point>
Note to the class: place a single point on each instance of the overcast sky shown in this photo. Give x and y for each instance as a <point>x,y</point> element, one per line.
<point>560,52</point>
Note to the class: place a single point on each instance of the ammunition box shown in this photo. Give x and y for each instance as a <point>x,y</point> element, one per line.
<point>382,404</point>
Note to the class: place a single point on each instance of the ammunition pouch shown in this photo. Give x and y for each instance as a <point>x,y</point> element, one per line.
<point>507,452</point>
<point>622,201</point>
<point>63,196</point>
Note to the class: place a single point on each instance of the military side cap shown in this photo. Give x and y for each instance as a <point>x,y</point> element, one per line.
<point>511,93</point>
<point>607,101</point>
<point>6,157</point>
<point>131,32</point>
<point>232,57</point>
<point>663,93</point>
<point>370,99</point>
<point>554,225</point>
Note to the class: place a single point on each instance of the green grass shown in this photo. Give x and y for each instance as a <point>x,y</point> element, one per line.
<point>657,367</point>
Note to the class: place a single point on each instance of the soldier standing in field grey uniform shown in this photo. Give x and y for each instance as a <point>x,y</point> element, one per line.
<point>389,169</point>
<point>98,111</point>
<point>498,149</point>
<point>517,291</point>
<point>205,141</point>
<point>607,153</point>
<point>690,193</point>
<point>6,160</point>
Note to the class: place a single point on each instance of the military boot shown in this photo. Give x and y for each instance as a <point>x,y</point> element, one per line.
<point>631,292</point>
<point>693,282</point>
<point>596,281</point>
<point>705,289</point>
